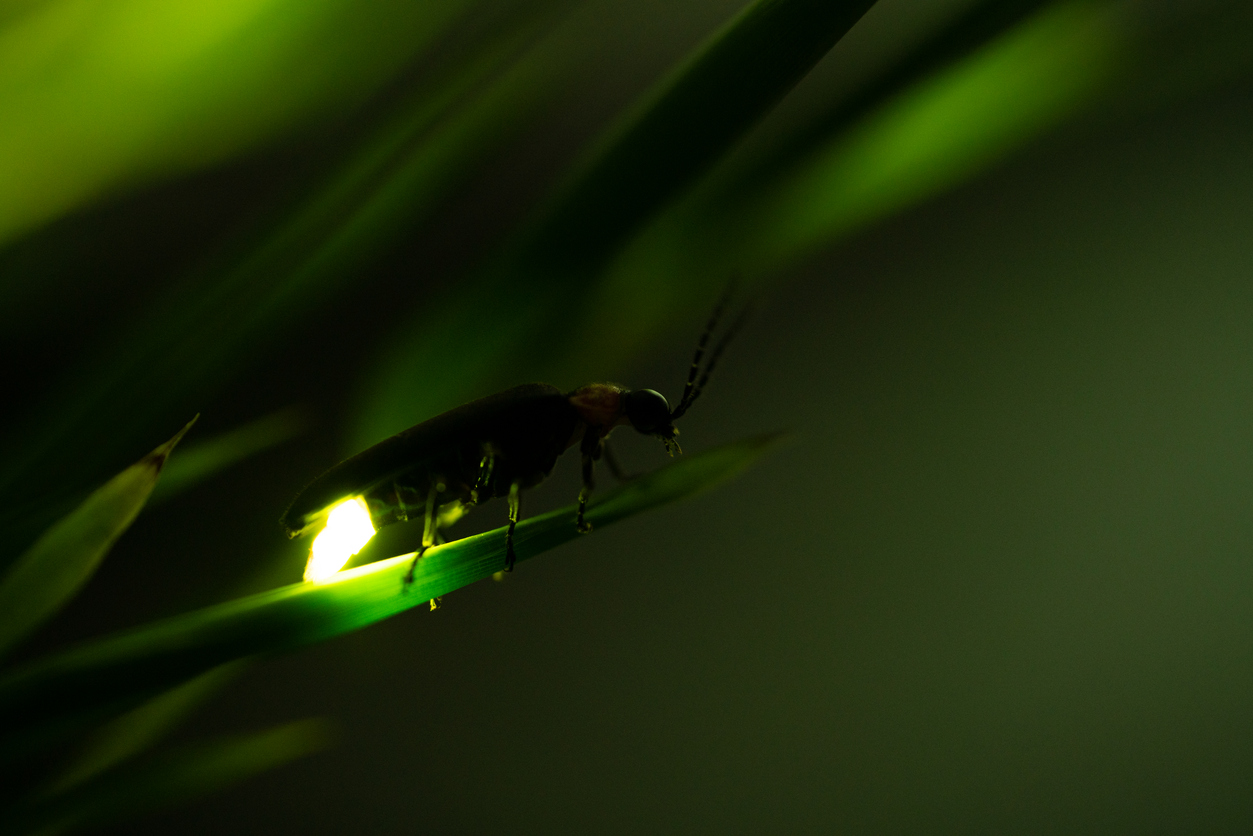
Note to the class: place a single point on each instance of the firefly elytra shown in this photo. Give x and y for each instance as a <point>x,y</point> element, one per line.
<point>498,446</point>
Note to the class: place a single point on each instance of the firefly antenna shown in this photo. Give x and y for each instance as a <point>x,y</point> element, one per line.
<point>694,386</point>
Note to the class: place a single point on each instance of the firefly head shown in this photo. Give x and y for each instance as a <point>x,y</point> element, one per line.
<point>649,413</point>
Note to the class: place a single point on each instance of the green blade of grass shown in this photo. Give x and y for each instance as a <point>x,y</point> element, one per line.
<point>113,673</point>
<point>52,570</point>
<point>943,131</point>
<point>93,101</point>
<point>685,126</point>
<point>172,778</point>
<point>136,730</point>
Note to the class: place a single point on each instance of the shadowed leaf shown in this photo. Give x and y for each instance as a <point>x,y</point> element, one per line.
<point>52,570</point>
<point>172,778</point>
<point>685,126</point>
<point>138,729</point>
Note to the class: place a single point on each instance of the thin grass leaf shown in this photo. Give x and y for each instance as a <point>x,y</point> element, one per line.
<point>52,570</point>
<point>137,730</point>
<point>112,673</point>
<point>94,99</point>
<point>685,126</point>
<point>970,30</point>
<point>542,282</point>
<point>204,459</point>
<point>177,777</point>
<point>944,130</point>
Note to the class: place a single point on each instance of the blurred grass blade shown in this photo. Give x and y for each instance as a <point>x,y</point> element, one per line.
<point>970,30</point>
<point>204,459</point>
<point>940,131</point>
<point>52,570</point>
<point>541,283</point>
<point>138,729</point>
<point>172,778</point>
<point>945,130</point>
<point>95,98</point>
<point>115,672</point>
<point>685,126</point>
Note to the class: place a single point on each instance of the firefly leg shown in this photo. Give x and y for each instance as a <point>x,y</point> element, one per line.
<point>515,509</point>
<point>430,526</point>
<point>430,519</point>
<point>590,448</point>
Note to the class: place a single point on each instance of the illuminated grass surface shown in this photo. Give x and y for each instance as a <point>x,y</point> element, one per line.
<point>108,675</point>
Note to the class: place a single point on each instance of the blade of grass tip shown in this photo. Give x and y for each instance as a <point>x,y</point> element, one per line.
<point>60,562</point>
<point>204,459</point>
<point>118,670</point>
<point>137,730</point>
<point>176,777</point>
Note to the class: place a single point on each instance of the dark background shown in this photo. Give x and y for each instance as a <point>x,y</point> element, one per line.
<point>999,578</point>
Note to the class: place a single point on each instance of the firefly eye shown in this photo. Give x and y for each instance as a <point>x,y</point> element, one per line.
<point>648,411</point>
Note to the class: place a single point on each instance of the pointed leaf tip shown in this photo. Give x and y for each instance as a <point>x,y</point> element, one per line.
<point>52,571</point>
<point>158,457</point>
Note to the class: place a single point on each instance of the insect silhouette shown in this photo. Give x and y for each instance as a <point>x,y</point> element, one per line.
<point>499,446</point>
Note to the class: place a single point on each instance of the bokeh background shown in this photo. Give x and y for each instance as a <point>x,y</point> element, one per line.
<point>1000,579</point>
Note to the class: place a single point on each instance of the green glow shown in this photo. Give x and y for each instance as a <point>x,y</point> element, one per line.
<point>348,529</point>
